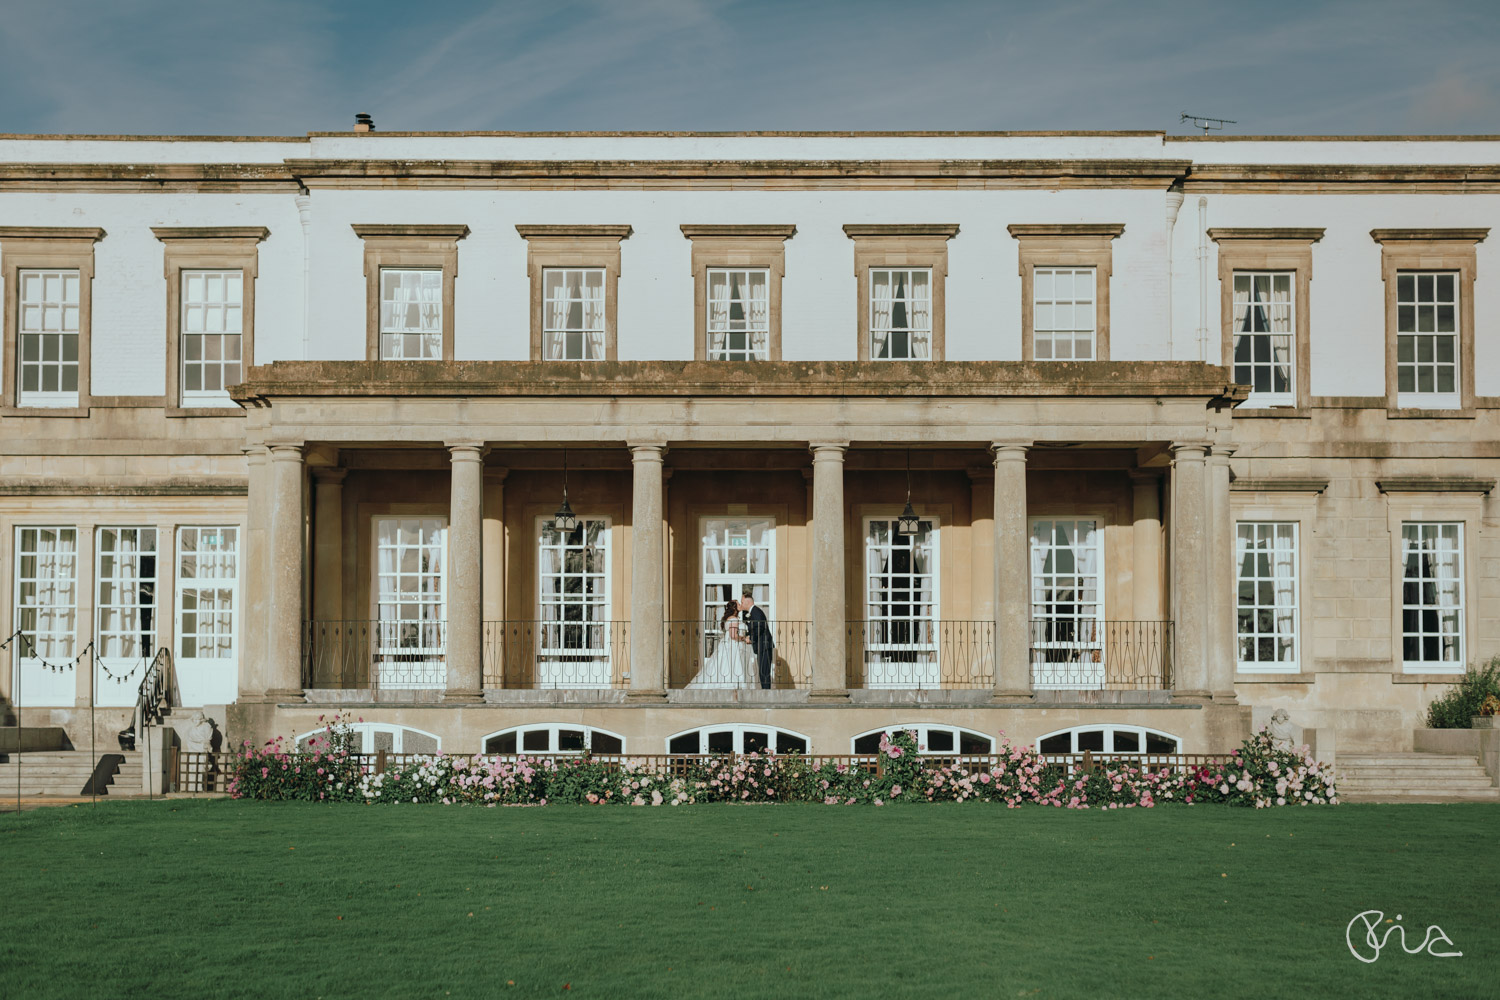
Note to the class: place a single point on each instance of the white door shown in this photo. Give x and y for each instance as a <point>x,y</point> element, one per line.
<point>411,605</point>
<point>46,614</point>
<point>1067,604</point>
<point>738,553</point>
<point>207,659</point>
<point>901,605</point>
<point>575,639</point>
<point>124,613</point>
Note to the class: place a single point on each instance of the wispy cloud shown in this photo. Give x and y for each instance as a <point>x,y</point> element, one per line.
<point>289,66</point>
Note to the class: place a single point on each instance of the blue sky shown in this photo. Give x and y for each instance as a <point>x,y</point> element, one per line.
<point>286,67</point>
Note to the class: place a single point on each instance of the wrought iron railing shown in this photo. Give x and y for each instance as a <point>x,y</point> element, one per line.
<point>1083,654</point>
<point>706,656</point>
<point>578,655</point>
<point>921,653</point>
<point>388,655</point>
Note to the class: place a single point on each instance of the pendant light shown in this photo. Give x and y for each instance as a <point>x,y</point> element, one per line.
<point>908,523</point>
<point>564,521</point>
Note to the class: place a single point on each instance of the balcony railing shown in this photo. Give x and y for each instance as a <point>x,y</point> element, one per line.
<point>701,657</point>
<point>389,655</point>
<point>576,655</point>
<point>921,654</point>
<point>1078,654</point>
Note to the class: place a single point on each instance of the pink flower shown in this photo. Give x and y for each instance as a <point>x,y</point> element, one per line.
<point>895,790</point>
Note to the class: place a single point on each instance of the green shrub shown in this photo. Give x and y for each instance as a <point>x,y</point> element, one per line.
<point>1462,702</point>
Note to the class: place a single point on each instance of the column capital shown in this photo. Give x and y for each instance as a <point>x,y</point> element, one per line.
<point>1144,477</point>
<point>495,473</point>
<point>980,474</point>
<point>466,448</point>
<point>330,475</point>
<point>1192,451</point>
<point>1223,452</point>
<point>286,453</point>
<point>256,452</point>
<point>1010,451</point>
<point>643,451</point>
<point>828,451</point>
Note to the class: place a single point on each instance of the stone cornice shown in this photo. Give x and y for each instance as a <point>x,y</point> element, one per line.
<point>755,379</point>
<point>91,233</point>
<point>1312,178</point>
<point>749,231</point>
<point>947,230</point>
<point>1279,485</point>
<point>1474,235</point>
<point>1029,229</point>
<point>565,231</point>
<point>256,233</point>
<point>166,488</point>
<point>1305,235</point>
<point>1435,484</point>
<point>436,232</point>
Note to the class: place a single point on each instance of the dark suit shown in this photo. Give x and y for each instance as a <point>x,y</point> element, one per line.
<point>758,631</point>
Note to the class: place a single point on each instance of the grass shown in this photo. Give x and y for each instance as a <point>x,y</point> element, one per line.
<point>228,899</point>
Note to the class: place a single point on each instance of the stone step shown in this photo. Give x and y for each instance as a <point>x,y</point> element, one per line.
<point>1414,795</point>
<point>1413,774</point>
<point>1405,760</point>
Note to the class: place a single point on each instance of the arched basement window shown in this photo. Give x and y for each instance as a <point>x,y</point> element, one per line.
<point>373,737</point>
<point>931,738</point>
<point>1109,739</point>
<point>554,738</point>
<point>738,739</point>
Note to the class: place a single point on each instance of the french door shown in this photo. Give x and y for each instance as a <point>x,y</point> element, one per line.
<point>739,553</point>
<point>125,622</point>
<point>574,631</point>
<point>411,602</point>
<point>208,576</point>
<point>1067,604</point>
<point>901,605</point>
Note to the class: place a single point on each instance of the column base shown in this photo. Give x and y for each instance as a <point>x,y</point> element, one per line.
<point>1226,698</point>
<point>828,695</point>
<point>277,696</point>
<point>646,696</point>
<point>1192,697</point>
<point>1013,694</point>
<point>461,697</point>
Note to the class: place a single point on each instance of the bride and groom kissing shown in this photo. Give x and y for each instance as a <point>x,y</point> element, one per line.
<point>745,651</point>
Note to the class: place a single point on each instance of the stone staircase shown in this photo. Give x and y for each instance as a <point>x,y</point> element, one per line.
<point>66,772</point>
<point>1413,777</point>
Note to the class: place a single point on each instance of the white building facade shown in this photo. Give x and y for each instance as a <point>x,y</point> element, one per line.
<point>1189,429</point>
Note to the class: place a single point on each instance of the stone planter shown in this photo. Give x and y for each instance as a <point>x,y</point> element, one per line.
<point>1485,722</point>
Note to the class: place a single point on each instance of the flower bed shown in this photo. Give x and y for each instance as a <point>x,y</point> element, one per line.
<point>1256,775</point>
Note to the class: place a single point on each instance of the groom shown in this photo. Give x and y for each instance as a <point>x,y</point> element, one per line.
<point>758,635</point>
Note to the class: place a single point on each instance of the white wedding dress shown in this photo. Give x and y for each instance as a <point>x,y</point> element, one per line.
<point>732,664</point>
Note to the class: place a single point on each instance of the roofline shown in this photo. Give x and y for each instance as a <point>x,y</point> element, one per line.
<point>849,134</point>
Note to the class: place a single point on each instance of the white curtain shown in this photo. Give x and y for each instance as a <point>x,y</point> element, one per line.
<point>880,313</point>
<point>919,311</point>
<point>557,314</point>
<point>921,560</point>
<point>593,316</point>
<point>758,312</point>
<point>430,292</point>
<point>718,314</point>
<point>1284,572</point>
<point>1445,572</point>
<point>1087,537</point>
<point>1281,329</point>
<point>1040,543</point>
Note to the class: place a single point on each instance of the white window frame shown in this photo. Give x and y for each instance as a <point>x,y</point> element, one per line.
<point>1279,612</point>
<point>34,320</point>
<point>924,742</point>
<point>207,680</point>
<point>395,337</point>
<point>110,661</point>
<point>1110,729</point>
<point>889,641</point>
<point>1415,397</point>
<point>557,340</point>
<point>736,581</point>
<point>551,729</point>
<point>366,732</point>
<point>1047,308</point>
<point>1084,639</point>
<point>40,686</point>
<point>738,731</point>
<point>400,664</point>
<point>1457,664</point>
<point>1276,310</point>
<point>913,333</point>
<point>558,664</point>
<point>754,331</point>
<point>231,310</point>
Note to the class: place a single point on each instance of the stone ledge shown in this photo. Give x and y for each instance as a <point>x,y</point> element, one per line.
<point>1402,678</point>
<point>1435,484</point>
<point>1270,678</point>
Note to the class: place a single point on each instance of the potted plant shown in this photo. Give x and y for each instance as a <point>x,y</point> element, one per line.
<point>1489,714</point>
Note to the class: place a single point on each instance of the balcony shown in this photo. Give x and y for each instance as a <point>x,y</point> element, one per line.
<point>702,657</point>
<point>557,655</point>
<point>1081,654</point>
<point>921,654</point>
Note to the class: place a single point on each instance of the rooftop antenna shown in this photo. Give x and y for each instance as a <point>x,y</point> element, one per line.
<point>1206,123</point>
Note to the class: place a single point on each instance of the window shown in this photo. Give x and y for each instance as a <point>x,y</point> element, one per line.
<point>1063,313</point>
<point>1108,739</point>
<point>931,739</point>
<point>899,274</point>
<point>738,739</point>
<point>410,275</point>
<point>738,553</point>
<point>554,738</point>
<point>46,614</point>
<point>739,315</point>
<point>411,314</point>
<point>212,315</point>
<point>1427,339</point>
<point>1266,554</point>
<point>1432,596</point>
<point>1264,336</point>
<point>900,647</point>
<point>124,609</point>
<point>574,633</point>
<point>373,737</point>
<point>49,338</point>
<point>573,314</point>
<point>900,314</point>
<point>206,663</point>
<point>410,602</point>
<point>1067,604</point>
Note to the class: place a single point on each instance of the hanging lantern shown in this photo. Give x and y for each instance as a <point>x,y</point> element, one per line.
<point>564,521</point>
<point>908,523</point>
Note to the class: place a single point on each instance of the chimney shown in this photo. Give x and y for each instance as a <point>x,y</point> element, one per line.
<point>363,123</point>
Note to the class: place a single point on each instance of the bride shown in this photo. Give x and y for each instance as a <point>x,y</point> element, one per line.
<point>732,664</point>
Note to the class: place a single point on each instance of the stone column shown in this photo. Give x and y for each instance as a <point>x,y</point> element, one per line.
<point>829,645</point>
<point>253,680</point>
<point>982,544</point>
<point>647,578</point>
<point>1220,593</point>
<point>328,544</point>
<point>492,577</point>
<point>465,595</point>
<point>1190,551</point>
<point>1012,574</point>
<point>1145,545</point>
<point>283,655</point>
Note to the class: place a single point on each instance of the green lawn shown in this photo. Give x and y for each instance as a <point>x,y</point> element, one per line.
<point>220,898</point>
